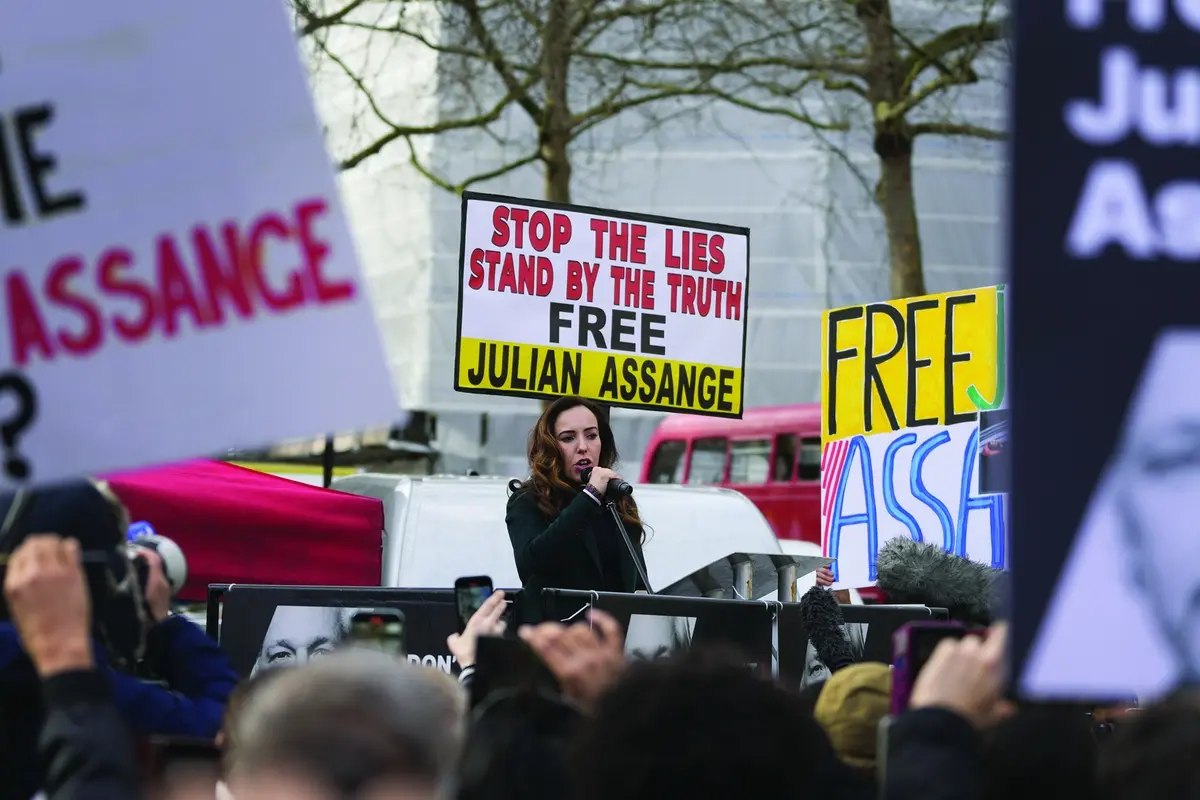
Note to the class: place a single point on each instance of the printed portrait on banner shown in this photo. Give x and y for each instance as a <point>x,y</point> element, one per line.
<point>1138,541</point>
<point>277,627</point>
<point>1106,338</point>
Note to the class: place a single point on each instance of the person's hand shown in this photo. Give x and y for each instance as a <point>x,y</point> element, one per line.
<point>484,622</point>
<point>824,577</point>
<point>158,591</point>
<point>600,478</point>
<point>586,661</point>
<point>966,676</point>
<point>1114,713</point>
<point>47,594</point>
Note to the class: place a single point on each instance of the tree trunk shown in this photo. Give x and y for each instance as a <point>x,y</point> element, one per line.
<point>899,207</point>
<point>894,146</point>
<point>555,133</point>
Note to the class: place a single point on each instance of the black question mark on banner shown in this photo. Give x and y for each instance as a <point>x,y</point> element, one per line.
<point>15,465</point>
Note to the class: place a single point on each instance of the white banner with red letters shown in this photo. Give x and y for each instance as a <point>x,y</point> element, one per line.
<point>177,274</point>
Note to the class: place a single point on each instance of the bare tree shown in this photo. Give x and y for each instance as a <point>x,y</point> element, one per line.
<point>899,63</point>
<point>568,66</point>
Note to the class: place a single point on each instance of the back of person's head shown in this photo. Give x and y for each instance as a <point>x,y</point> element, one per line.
<point>1152,754</point>
<point>349,723</point>
<point>1041,752</point>
<point>850,707</point>
<point>238,700</point>
<point>664,731</point>
<point>517,748</point>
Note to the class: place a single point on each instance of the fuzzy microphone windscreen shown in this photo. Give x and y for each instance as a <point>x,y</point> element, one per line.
<point>822,618</point>
<point>916,572</point>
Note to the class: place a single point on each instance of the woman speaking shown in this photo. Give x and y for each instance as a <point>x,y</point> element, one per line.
<point>562,535</point>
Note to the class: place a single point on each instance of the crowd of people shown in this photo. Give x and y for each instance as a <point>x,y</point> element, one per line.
<point>361,723</point>
<point>105,693</point>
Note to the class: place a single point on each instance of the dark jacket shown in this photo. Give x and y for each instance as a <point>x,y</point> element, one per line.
<point>196,670</point>
<point>933,754</point>
<point>580,548</point>
<point>84,746</point>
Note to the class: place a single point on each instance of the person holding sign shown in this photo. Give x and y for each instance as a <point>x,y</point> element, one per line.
<point>562,534</point>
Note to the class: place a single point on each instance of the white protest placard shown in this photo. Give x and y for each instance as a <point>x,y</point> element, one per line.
<point>627,309</point>
<point>178,276</point>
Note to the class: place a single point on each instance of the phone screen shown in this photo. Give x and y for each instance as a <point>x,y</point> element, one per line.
<point>380,630</point>
<point>914,644</point>
<point>469,595</point>
<point>924,641</point>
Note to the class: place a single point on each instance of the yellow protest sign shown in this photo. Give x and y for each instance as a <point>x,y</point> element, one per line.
<point>912,362</point>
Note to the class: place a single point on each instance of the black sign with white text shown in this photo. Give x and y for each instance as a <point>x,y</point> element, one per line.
<point>1105,352</point>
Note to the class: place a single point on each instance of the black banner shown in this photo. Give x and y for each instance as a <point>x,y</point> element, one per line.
<point>1105,351</point>
<point>869,630</point>
<point>656,625</point>
<point>268,626</point>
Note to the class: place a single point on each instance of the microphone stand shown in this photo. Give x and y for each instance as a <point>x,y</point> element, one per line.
<point>616,515</point>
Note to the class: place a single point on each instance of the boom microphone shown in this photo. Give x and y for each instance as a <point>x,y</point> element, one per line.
<point>915,572</point>
<point>616,486</point>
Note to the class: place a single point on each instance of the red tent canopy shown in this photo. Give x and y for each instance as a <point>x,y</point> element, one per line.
<point>236,525</point>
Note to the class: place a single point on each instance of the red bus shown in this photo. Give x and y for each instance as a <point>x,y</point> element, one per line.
<point>771,455</point>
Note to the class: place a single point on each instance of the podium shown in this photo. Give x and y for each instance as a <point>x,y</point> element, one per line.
<point>748,576</point>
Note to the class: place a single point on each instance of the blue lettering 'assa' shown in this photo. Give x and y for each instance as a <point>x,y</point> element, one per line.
<point>953,528</point>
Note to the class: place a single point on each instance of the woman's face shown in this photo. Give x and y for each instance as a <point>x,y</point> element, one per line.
<point>298,634</point>
<point>578,436</point>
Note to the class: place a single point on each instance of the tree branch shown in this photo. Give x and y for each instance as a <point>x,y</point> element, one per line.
<point>398,131</point>
<point>314,22</point>
<point>590,15</point>
<point>798,116</point>
<point>960,77</point>
<point>495,57</point>
<point>727,65</point>
<point>957,129</point>
<point>399,30</point>
<point>935,50</point>
<point>459,188</point>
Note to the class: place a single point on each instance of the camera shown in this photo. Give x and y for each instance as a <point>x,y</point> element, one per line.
<point>143,535</point>
<point>89,512</point>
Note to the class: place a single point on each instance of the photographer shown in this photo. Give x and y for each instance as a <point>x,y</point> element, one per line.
<point>133,622</point>
<point>83,743</point>
<point>196,676</point>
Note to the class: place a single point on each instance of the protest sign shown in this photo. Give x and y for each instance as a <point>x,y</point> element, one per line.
<point>627,309</point>
<point>914,429</point>
<point>1106,343</point>
<point>178,277</point>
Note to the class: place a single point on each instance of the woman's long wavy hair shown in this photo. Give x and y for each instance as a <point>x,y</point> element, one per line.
<point>547,472</point>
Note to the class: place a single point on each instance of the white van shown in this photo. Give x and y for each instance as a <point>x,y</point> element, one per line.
<point>442,527</point>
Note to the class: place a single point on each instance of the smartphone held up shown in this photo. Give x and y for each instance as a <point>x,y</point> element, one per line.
<point>469,594</point>
<point>912,646</point>
<point>379,629</point>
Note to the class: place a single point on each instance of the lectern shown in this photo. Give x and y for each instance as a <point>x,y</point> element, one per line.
<point>748,576</point>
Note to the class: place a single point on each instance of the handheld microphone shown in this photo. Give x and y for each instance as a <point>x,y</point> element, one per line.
<point>616,487</point>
